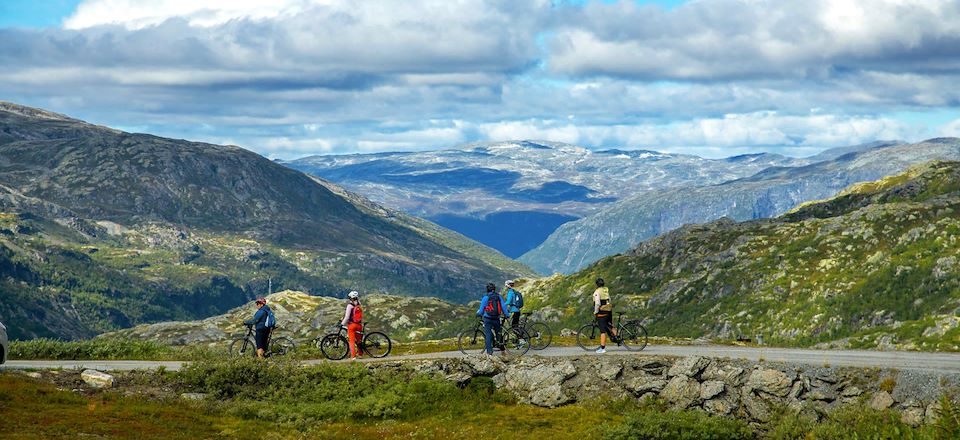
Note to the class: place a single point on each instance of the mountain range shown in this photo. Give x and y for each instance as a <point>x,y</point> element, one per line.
<point>512,195</point>
<point>873,267</point>
<point>102,229</point>
<point>768,193</point>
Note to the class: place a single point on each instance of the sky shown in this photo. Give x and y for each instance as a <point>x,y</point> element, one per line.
<point>291,78</point>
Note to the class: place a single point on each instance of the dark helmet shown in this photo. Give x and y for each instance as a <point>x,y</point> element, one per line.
<point>599,282</point>
<point>491,287</point>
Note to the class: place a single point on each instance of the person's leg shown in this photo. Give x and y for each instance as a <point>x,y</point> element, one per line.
<point>487,336</point>
<point>260,338</point>
<point>352,337</point>
<point>498,328</point>
<point>516,320</point>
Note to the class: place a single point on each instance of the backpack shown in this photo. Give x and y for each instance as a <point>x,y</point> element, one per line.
<point>517,299</point>
<point>357,314</point>
<point>271,320</point>
<point>493,308</point>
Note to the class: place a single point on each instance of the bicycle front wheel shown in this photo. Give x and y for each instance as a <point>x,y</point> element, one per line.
<point>241,347</point>
<point>516,341</point>
<point>634,337</point>
<point>334,347</point>
<point>588,337</point>
<point>540,335</point>
<point>377,344</point>
<point>281,346</point>
<point>471,341</point>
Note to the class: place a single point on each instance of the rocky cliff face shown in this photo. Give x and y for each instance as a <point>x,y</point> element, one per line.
<point>723,387</point>
<point>103,229</point>
<point>873,267</point>
<point>772,192</point>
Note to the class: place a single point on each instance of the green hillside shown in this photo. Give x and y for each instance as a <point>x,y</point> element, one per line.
<point>101,230</point>
<point>875,266</point>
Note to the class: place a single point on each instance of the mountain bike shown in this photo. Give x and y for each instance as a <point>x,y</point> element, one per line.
<point>336,346</point>
<point>510,340</point>
<point>540,333</point>
<point>631,334</point>
<point>245,345</point>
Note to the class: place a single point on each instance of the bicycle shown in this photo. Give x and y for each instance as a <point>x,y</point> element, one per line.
<point>540,333</point>
<point>510,340</point>
<point>278,346</point>
<point>335,346</point>
<point>631,334</point>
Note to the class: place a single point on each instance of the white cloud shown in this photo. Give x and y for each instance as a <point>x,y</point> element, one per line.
<point>137,14</point>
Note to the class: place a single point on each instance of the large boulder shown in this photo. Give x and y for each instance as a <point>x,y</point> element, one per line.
<point>689,366</point>
<point>774,382</point>
<point>881,400</point>
<point>537,382</point>
<point>97,379</point>
<point>681,391</point>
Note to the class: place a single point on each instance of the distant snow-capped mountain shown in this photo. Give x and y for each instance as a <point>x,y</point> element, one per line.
<point>512,195</point>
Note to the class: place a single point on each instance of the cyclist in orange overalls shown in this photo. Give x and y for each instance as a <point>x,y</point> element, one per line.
<point>353,321</point>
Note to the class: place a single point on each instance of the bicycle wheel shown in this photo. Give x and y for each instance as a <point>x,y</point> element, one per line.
<point>588,337</point>
<point>377,344</point>
<point>633,337</point>
<point>281,346</point>
<point>334,347</point>
<point>470,341</point>
<point>243,347</point>
<point>516,341</point>
<point>540,335</point>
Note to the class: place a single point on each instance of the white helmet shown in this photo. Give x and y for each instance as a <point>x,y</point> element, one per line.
<point>508,282</point>
<point>353,295</point>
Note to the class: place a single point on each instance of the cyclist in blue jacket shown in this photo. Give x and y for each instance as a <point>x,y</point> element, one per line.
<point>513,304</point>
<point>491,308</point>
<point>263,328</point>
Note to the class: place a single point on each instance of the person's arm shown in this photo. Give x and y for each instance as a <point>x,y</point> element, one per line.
<point>510,300</point>
<point>346,315</point>
<point>503,306</point>
<point>596,301</point>
<point>483,304</point>
<point>256,317</point>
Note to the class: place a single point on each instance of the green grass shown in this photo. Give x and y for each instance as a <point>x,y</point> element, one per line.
<point>106,349</point>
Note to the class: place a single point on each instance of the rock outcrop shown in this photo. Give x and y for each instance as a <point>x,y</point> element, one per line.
<point>724,387</point>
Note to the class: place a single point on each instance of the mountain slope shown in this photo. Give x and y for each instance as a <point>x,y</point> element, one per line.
<point>305,317</point>
<point>875,266</point>
<point>104,229</point>
<point>766,194</point>
<point>512,195</point>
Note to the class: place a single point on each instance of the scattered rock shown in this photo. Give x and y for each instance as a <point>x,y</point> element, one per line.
<point>711,389</point>
<point>193,396</point>
<point>32,374</point>
<point>770,381</point>
<point>610,371</point>
<point>851,392</point>
<point>689,366</point>
<point>550,396</point>
<point>681,391</point>
<point>97,379</point>
<point>645,384</point>
<point>881,400</point>
<point>483,365</point>
<point>913,416</point>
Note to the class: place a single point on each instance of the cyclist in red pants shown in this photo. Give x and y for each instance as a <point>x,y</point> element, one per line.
<point>353,321</point>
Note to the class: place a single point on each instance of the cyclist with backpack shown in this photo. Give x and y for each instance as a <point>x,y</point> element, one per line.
<point>265,321</point>
<point>514,303</point>
<point>491,308</point>
<point>603,310</point>
<point>353,321</point>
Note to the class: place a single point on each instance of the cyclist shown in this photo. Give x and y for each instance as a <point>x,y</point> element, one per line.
<point>491,307</point>
<point>603,310</point>
<point>353,321</point>
<point>514,303</point>
<point>261,321</point>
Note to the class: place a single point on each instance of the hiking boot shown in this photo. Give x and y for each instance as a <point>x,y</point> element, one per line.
<point>601,350</point>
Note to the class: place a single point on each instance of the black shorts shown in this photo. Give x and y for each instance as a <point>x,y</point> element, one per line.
<point>605,321</point>
<point>262,335</point>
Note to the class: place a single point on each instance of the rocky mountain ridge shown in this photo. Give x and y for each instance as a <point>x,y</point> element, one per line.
<point>769,193</point>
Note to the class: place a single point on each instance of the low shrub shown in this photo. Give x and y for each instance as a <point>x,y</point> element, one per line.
<point>103,349</point>
<point>650,422</point>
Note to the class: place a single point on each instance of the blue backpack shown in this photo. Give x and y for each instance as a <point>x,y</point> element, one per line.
<point>271,320</point>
